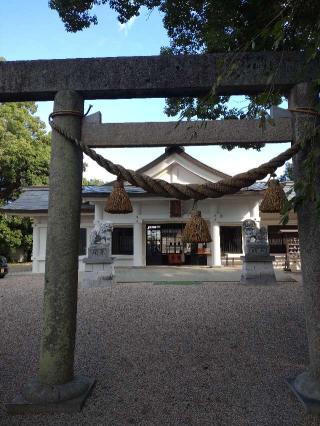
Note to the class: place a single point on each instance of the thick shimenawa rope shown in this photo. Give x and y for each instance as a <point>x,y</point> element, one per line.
<point>177,190</point>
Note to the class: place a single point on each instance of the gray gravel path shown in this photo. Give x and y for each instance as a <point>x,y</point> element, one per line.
<point>208,354</point>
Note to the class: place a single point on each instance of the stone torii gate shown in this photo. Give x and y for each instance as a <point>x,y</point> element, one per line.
<point>71,81</point>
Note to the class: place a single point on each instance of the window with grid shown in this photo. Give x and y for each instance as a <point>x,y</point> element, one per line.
<point>83,242</point>
<point>122,241</point>
<point>231,239</point>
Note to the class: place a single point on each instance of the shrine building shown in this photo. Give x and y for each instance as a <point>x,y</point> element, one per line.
<point>151,234</point>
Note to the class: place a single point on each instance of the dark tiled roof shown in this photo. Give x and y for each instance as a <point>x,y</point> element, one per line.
<point>88,191</point>
<point>31,200</point>
<point>262,186</point>
<point>258,186</point>
<point>35,199</point>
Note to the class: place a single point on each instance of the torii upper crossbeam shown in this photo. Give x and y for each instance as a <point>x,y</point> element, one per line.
<point>155,76</point>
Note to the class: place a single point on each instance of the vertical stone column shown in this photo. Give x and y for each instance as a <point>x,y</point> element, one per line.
<point>215,244</point>
<point>137,244</point>
<point>252,213</point>
<point>305,95</point>
<point>35,246</point>
<point>98,212</point>
<point>255,212</point>
<point>35,240</point>
<point>56,383</point>
<point>61,276</point>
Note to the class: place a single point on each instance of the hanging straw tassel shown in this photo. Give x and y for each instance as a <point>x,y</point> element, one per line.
<point>196,229</point>
<point>274,198</point>
<point>118,201</point>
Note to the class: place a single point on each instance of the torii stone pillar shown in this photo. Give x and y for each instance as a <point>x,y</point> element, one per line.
<point>56,388</point>
<point>307,384</point>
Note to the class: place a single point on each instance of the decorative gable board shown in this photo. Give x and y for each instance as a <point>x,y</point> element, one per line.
<point>176,169</point>
<point>175,173</point>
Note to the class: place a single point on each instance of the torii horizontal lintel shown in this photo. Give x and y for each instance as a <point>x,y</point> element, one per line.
<point>242,132</point>
<point>155,76</point>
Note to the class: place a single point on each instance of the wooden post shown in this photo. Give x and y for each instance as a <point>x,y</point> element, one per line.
<point>307,384</point>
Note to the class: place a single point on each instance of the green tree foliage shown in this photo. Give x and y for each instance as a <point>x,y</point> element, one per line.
<point>205,26</point>
<point>24,161</point>
<point>92,182</point>
<point>24,149</point>
<point>15,232</point>
<point>197,26</point>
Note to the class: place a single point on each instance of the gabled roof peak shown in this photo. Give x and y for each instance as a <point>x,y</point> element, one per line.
<point>177,149</point>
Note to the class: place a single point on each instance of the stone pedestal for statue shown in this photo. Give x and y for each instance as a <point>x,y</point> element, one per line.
<point>257,267</point>
<point>99,265</point>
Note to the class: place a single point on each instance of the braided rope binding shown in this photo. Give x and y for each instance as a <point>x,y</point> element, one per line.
<point>176,190</point>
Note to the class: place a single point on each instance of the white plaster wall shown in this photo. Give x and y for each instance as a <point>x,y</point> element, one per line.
<point>238,210</point>
<point>160,209</point>
<point>225,211</point>
<point>39,253</point>
<point>121,219</point>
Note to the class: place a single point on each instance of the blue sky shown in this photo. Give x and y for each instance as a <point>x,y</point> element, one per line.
<point>30,30</point>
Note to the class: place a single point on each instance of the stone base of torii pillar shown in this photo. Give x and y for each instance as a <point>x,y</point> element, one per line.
<point>38,398</point>
<point>307,390</point>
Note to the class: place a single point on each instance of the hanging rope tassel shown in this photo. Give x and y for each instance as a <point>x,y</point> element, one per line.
<point>196,229</point>
<point>118,201</point>
<point>274,198</point>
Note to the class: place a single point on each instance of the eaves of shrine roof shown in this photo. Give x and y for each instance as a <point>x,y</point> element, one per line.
<point>34,200</point>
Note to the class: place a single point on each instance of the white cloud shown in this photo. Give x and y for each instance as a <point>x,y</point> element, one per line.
<point>126,26</point>
<point>93,171</point>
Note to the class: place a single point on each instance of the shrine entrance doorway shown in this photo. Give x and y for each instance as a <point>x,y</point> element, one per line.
<point>164,246</point>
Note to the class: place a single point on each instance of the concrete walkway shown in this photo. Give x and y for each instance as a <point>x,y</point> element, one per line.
<point>193,273</point>
<point>18,268</point>
<point>172,273</point>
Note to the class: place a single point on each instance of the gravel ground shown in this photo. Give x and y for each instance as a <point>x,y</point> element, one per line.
<point>208,354</point>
